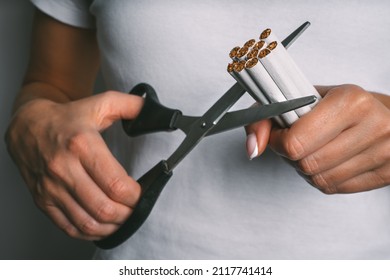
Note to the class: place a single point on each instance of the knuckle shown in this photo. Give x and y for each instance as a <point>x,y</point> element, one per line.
<point>309,165</point>
<point>117,188</point>
<point>106,213</point>
<point>105,105</point>
<point>89,227</point>
<point>293,147</point>
<point>70,230</point>
<point>323,185</point>
<point>381,177</point>
<point>78,143</point>
<point>55,166</point>
<point>357,99</point>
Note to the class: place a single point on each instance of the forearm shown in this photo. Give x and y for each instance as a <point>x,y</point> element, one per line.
<point>63,65</point>
<point>39,90</point>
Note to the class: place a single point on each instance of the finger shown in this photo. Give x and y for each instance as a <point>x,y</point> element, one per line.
<point>53,194</point>
<point>64,224</point>
<point>345,146</point>
<point>257,137</point>
<point>371,159</point>
<point>105,170</point>
<point>80,219</point>
<point>366,181</point>
<point>112,105</point>
<point>332,115</point>
<point>91,198</point>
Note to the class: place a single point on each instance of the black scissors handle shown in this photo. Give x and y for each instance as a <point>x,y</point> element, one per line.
<point>154,117</point>
<point>152,183</point>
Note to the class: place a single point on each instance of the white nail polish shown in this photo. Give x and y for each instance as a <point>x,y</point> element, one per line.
<point>255,153</point>
<point>251,146</point>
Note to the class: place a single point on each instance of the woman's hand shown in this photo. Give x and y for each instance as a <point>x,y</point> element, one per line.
<point>69,170</point>
<point>341,146</point>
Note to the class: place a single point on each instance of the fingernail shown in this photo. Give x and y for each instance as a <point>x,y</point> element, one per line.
<point>251,146</point>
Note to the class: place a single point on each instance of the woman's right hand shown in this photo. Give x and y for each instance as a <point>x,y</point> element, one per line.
<point>69,170</point>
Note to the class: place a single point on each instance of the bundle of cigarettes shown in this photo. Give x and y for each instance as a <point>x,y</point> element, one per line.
<point>269,74</point>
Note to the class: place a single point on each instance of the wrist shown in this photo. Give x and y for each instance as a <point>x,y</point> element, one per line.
<point>39,91</point>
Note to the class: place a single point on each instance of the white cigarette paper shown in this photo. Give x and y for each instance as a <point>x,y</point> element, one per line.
<point>238,72</point>
<point>282,56</point>
<point>267,85</point>
<point>284,77</point>
<point>236,69</point>
<point>269,74</point>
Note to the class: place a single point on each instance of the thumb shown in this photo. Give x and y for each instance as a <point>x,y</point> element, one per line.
<point>257,137</point>
<point>111,106</point>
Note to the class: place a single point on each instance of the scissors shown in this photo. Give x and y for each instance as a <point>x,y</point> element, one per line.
<point>155,117</point>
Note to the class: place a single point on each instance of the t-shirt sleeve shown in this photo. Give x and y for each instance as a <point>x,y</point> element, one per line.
<point>72,12</point>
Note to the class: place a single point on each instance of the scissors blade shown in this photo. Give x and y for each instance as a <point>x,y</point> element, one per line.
<point>204,124</point>
<point>287,42</point>
<point>184,123</point>
<point>244,117</point>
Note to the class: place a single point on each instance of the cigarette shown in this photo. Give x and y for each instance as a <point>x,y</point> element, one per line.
<point>236,69</point>
<point>265,34</point>
<point>268,36</point>
<point>300,80</point>
<point>272,45</point>
<point>250,43</point>
<point>305,87</point>
<point>252,54</point>
<point>259,45</point>
<point>233,53</point>
<point>242,52</point>
<point>269,74</point>
<point>284,76</point>
<point>267,85</point>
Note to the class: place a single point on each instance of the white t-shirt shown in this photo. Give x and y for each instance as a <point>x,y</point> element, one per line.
<point>218,204</point>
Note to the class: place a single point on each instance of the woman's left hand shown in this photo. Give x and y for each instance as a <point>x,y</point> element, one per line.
<point>341,146</point>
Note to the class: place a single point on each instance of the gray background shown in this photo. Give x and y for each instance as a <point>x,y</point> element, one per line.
<point>25,232</point>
